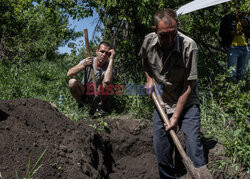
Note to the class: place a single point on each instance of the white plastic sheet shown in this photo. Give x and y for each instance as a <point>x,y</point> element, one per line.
<point>198,4</point>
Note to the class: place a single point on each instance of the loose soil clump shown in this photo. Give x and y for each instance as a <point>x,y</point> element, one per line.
<point>74,149</point>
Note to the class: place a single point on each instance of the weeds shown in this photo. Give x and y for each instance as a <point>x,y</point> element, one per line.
<point>225,114</point>
<point>101,125</point>
<point>31,171</point>
<point>227,169</point>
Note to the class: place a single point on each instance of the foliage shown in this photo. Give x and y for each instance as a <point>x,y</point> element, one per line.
<point>225,111</point>
<point>101,125</point>
<point>35,29</point>
<point>227,169</point>
<point>37,79</point>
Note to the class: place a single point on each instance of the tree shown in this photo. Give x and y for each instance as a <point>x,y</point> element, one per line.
<point>33,30</point>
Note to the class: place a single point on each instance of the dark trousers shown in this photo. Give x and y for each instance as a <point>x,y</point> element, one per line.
<point>189,123</point>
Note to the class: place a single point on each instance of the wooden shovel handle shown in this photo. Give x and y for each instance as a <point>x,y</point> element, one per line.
<point>166,120</point>
<point>186,160</point>
<point>87,41</point>
<point>88,53</point>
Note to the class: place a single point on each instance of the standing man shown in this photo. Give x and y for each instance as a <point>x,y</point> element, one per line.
<point>170,57</point>
<point>235,31</point>
<point>103,70</point>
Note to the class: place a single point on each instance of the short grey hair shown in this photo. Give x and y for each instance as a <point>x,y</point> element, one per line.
<point>165,15</point>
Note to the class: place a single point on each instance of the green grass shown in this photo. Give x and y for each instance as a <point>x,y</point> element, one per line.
<point>225,115</point>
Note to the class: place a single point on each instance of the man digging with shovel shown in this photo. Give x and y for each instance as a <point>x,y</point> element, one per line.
<point>102,65</point>
<point>170,58</point>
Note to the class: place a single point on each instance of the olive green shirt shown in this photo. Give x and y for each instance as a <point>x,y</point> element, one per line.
<point>173,70</point>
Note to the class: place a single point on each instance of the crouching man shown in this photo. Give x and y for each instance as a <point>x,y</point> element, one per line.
<point>103,69</point>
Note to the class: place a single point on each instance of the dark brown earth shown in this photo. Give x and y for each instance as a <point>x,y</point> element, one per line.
<point>74,149</point>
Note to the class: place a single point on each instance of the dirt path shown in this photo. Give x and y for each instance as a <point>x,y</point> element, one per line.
<point>74,150</point>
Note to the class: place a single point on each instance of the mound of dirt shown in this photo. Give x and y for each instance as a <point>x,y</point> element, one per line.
<point>74,149</point>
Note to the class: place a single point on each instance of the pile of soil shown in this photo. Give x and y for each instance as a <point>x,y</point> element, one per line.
<point>74,149</point>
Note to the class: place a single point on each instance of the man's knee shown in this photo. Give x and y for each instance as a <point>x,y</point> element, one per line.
<point>72,83</point>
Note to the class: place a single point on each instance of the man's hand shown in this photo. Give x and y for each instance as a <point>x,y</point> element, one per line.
<point>88,61</point>
<point>112,53</point>
<point>149,87</point>
<point>173,123</point>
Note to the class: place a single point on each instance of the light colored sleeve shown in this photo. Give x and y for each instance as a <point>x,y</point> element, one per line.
<point>192,72</point>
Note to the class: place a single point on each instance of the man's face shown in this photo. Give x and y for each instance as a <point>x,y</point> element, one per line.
<point>103,54</point>
<point>167,33</point>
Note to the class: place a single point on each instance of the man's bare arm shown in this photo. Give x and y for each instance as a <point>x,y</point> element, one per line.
<point>180,105</point>
<point>78,68</point>
<point>108,76</point>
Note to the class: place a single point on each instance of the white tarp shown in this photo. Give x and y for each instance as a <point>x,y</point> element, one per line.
<point>198,4</point>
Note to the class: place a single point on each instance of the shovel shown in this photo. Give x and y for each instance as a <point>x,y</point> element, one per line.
<point>196,173</point>
<point>96,98</point>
